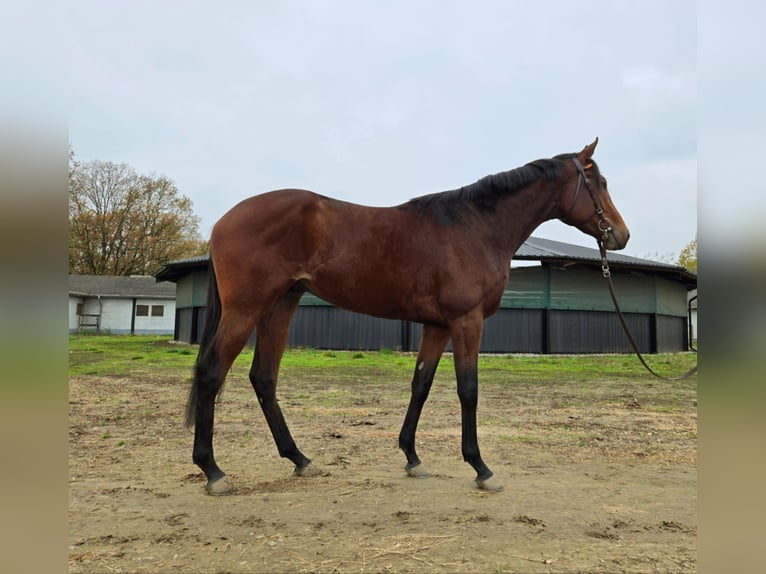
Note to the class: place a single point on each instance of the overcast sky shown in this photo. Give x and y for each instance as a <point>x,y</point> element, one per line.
<point>377,102</point>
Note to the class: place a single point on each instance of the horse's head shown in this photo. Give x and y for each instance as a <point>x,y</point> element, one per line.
<point>586,205</point>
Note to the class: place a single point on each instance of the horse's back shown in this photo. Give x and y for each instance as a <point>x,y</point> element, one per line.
<point>389,262</point>
<point>274,240</point>
<point>287,215</point>
<point>265,207</point>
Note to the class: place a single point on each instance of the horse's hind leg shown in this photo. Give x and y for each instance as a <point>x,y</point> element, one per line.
<point>432,344</point>
<point>271,339</point>
<point>210,372</point>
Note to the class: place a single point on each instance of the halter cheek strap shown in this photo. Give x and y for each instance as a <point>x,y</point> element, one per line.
<point>604,225</point>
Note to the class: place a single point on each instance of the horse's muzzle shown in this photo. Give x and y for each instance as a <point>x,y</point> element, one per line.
<point>617,239</point>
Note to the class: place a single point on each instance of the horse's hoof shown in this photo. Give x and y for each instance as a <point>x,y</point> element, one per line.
<point>491,484</point>
<point>417,471</point>
<point>220,487</point>
<point>307,471</point>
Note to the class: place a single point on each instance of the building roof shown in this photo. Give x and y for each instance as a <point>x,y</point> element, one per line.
<point>567,255</point>
<point>533,249</point>
<point>144,287</point>
<point>539,248</point>
<point>175,270</point>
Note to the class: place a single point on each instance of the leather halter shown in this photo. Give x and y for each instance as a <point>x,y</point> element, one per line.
<point>604,225</point>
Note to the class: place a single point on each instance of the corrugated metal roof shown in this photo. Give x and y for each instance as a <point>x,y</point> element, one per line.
<point>546,249</point>
<point>144,287</point>
<point>175,270</point>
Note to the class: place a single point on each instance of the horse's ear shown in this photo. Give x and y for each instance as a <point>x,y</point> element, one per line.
<point>587,151</point>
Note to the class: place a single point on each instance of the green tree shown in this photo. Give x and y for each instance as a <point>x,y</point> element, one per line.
<point>688,256</point>
<point>123,223</point>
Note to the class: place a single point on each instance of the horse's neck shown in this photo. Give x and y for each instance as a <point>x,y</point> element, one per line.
<point>519,213</point>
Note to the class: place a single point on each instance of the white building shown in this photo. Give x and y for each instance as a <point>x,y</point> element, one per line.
<point>121,305</point>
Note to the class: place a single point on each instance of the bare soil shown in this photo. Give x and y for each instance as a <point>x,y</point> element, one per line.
<point>598,478</point>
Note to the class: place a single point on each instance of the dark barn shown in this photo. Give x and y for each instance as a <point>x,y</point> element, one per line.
<point>560,305</point>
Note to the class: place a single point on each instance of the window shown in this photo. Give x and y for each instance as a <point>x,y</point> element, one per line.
<point>142,310</point>
<point>158,310</point>
<point>80,307</point>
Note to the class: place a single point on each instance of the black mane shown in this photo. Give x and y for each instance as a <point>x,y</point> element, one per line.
<point>450,205</point>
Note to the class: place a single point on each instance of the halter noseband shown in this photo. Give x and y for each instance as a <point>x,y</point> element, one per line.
<point>604,225</point>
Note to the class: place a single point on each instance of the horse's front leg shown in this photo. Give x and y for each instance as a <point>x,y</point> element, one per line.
<point>432,344</point>
<point>466,336</point>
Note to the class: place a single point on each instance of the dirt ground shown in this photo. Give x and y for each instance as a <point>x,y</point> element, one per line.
<point>596,480</point>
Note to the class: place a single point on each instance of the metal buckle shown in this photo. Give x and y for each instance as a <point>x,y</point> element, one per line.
<point>604,230</point>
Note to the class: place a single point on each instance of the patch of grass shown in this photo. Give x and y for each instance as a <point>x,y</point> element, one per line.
<point>183,351</point>
<point>122,355</point>
<point>577,375</point>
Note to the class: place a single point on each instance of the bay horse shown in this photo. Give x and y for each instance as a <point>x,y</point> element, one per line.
<point>441,260</point>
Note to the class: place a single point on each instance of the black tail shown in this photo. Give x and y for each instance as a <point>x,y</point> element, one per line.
<point>206,348</point>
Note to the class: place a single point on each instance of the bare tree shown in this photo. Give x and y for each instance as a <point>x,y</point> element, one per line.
<point>123,223</point>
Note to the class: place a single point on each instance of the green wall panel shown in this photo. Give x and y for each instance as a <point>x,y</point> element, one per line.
<point>671,298</point>
<point>191,290</point>
<point>527,288</point>
<point>184,292</point>
<point>588,290</point>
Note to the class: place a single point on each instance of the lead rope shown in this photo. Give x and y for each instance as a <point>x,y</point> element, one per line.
<point>608,275</point>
